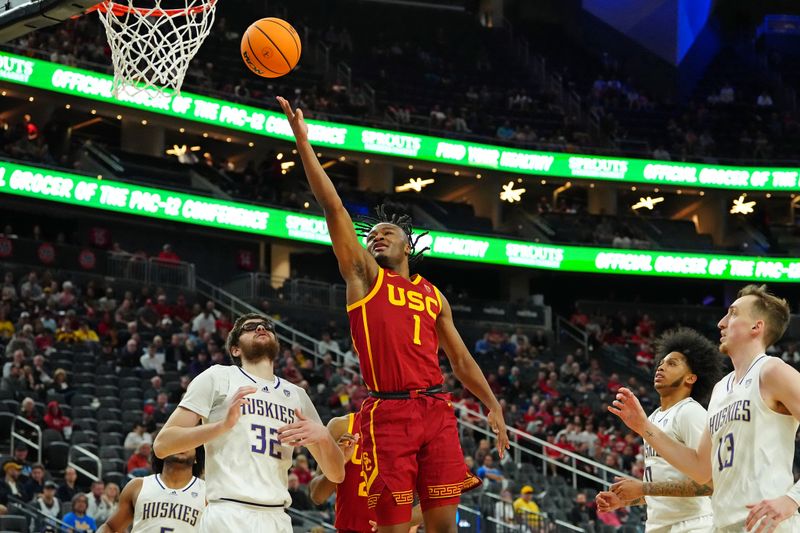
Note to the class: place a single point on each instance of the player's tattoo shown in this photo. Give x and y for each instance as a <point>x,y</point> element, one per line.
<point>684,489</point>
<point>638,501</point>
<point>650,433</point>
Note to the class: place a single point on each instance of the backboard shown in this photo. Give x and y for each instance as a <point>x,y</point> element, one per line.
<point>18,17</point>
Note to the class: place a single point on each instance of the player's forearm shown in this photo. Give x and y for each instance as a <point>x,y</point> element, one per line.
<point>330,459</point>
<point>177,439</point>
<point>686,488</point>
<point>678,455</point>
<point>469,373</point>
<point>636,502</point>
<point>320,489</point>
<point>321,185</point>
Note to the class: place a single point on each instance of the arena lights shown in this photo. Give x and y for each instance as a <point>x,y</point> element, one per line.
<point>647,203</point>
<point>63,79</point>
<point>126,198</point>
<point>510,194</point>
<point>740,207</point>
<point>414,184</point>
<point>179,151</point>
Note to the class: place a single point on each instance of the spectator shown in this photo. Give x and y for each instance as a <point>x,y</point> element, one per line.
<point>21,458</point>
<point>28,412</point>
<point>168,255</point>
<point>15,383</point>
<point>55,419</point>
<point>68,489</point>
<point>504,509</point>
<point>129,356</point>
<point>162,409</point>
<point>156,387</point>
<point>86,334</point>
<point>34,487</point>
<point>139,463</point>
<point>137,437</point>
<point>98,507</point>
<point>11,485</point>
<point>301,470</point>
<point>582,514</point>
<point>526,509</point>
<point>31,290</point>
<point>6,326</point>
<point>206,321</point>
<point>300,499</point>
<point>111,497</point>
<point>78,519</point>
<point>153,360</point>
<point>61,385</point>
<point>491,475</point>
<point>47,503</point>
<point>327,345</point>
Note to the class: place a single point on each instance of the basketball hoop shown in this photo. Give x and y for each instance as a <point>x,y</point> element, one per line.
<point>151,47</point>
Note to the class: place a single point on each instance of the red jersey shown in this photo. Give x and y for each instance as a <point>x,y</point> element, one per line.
<point>394,333</point>
<point>352,513</point>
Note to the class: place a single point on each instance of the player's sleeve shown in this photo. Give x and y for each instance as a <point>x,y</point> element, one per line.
<point>202,393</point>
<point>691,424</point>
<point>309,411</point>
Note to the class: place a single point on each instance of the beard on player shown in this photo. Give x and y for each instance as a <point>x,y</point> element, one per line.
<point>257,346</point>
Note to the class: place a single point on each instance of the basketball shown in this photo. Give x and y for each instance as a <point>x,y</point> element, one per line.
<point>271,47</point>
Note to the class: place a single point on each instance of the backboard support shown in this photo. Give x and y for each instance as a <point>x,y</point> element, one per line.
<point>19,17</point>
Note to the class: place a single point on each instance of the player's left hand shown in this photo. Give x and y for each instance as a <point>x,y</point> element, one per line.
<point>498,424</point>
<point>303,432</point>
<point>770,513</point>
<point>627,489</point>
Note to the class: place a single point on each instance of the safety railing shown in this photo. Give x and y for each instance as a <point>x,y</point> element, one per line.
<point>526,521</point>
<point>17,436</point>
<point>76,451</point>
<point>151,271</point>
<point>564,328</point>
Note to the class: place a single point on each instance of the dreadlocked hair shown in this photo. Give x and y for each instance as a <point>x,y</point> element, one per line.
<point>702,357</point>
<point>364,225</point>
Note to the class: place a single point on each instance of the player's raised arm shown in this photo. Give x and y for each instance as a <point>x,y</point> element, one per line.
<point>694,463</point>
<point>355,264</point>
<point>469,373</point>
<point>123,517</point>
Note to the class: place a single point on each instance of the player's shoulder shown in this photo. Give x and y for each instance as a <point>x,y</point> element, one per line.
<point>691,407</point>
<point>290,389</point>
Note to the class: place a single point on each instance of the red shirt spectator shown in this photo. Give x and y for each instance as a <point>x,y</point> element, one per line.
<point>168,255</point>
<point>140,459</point>
<point>55,419</point>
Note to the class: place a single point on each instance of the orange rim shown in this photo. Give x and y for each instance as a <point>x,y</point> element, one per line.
<point>120,9</point>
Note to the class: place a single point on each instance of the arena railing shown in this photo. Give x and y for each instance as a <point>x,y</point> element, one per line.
<point>36,518</point>
<point>525,448</point>
<point>522,523</point>
<point>77,448</point>
<point>258,285</point>
<point>16,436</point>
<point>151,270</point>
<point>287,334</point>
<point>564,328</point>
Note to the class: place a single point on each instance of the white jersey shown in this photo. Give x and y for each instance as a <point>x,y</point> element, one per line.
<point>752,448</point>
<point>683,422</point>
<point>159,508</point>
<point>247,464</point>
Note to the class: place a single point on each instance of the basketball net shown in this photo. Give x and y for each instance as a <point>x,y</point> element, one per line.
<point>151,47</point>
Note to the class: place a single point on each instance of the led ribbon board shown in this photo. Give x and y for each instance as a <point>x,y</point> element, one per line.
<point>241,118</point>
<point>72,189</point>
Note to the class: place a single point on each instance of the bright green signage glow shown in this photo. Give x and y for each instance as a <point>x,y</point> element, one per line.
<point>131,199</point>
<point>95,86</point>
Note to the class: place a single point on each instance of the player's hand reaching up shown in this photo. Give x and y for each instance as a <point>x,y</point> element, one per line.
<point>630,411</point>
<point>235,407</point>
<point>304,432</point>
<point>766,515</point>
<point>607,501</point>
<point>498,425</point>
<point>296,121</point>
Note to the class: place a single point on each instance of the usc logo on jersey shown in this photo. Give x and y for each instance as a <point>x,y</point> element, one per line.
<point>414,300</point>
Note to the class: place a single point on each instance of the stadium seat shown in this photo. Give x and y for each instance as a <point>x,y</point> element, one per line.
<point>82,400</point>
<point>14,523</point>
<point>56,456</point>
<point>115,477</point>
<point>111,439</point>
<point>12,406</point>
<point>85,423</point>
<point>83,412</point>
<point>110,402</point>
<point>107,390</point>
<point>110,426</point>
<point>50,436</point>
<point>82,436</point>
<point>108,414</point>
<point>131,404</point>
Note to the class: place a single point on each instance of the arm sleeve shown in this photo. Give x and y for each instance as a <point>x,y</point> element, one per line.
<point>691,423</point>
<point>201,394</point>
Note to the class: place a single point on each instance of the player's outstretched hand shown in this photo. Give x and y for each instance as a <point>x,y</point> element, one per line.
<point>498,425</point>
<point>607,502</point>
<point>766,515</point>
<point>627,489</point>
<point>303,432</point>
<point>630,411</point>
<point>296,121</point>
<point>235,407</point>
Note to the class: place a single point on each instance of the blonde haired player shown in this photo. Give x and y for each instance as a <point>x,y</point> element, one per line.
<point>748,443</point>
<point>689,366</point>
<point>250,421</point>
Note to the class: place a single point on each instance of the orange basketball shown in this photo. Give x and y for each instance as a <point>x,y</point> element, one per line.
<point>271,47</point>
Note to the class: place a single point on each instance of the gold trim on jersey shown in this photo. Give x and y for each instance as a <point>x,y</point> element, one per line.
<point>369,349</point>
<point>365,463</point>
<point>416,280</point>
<point>371,293</point>
<point>445,491</point>
<point>438,299</point>
<point>405,497</point>
<point>351,423</point>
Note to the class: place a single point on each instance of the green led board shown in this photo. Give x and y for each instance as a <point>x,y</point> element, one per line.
<point>72,189</point>
<point>241,118</point>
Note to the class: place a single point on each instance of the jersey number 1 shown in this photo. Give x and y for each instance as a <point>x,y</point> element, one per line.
<point>417,324</point>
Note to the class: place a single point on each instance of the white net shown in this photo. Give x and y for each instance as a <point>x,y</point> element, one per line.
<point>152,42</point>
